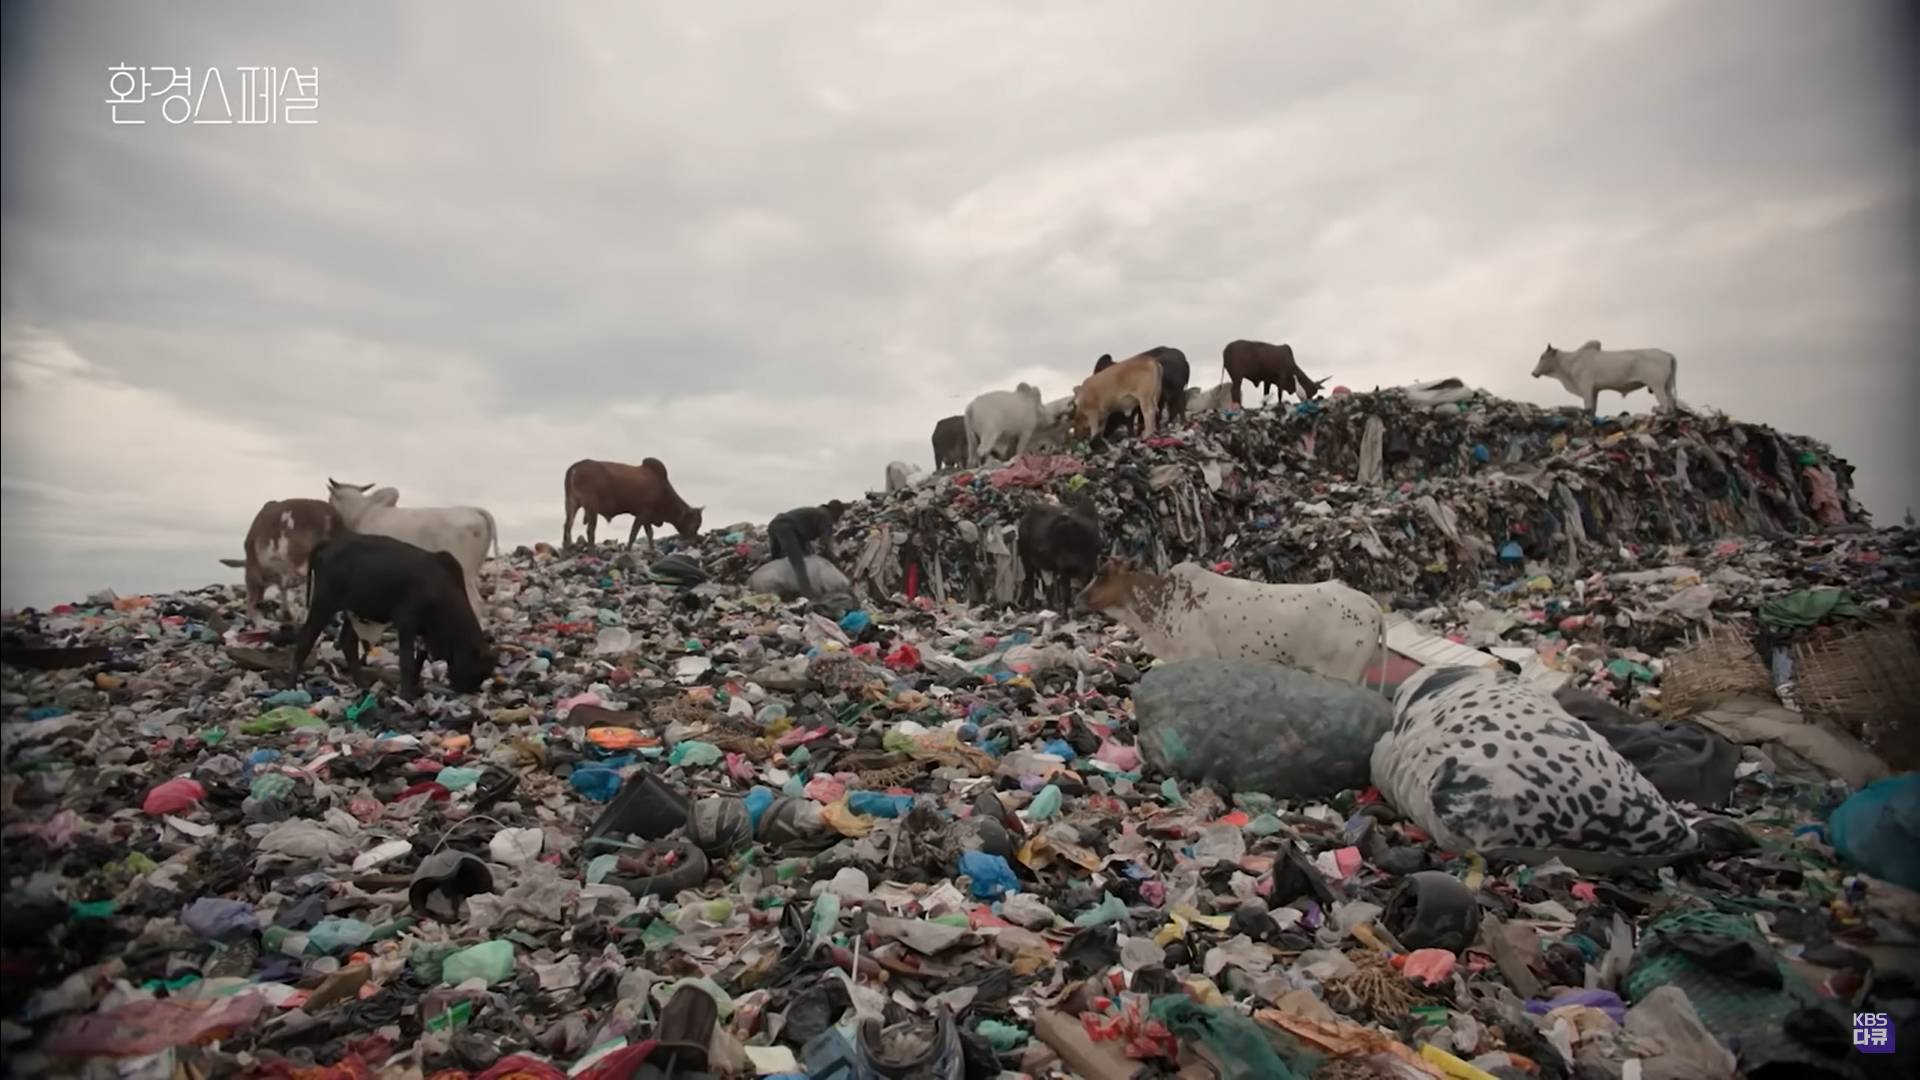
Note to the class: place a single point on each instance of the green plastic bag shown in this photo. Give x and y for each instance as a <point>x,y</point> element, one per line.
<point>490,960</point>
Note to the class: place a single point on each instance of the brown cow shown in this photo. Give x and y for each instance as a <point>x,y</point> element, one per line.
<point>1118,389</point>
<point>279,542</point>
<point>1268,367</point>
<point>606,489</point>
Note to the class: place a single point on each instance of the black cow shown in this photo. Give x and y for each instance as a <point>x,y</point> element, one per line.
<point>422,594</point>
<point>1062,540</point>
<point>950,443</point>
<point>1270,367</point>
<point>1173,383</point>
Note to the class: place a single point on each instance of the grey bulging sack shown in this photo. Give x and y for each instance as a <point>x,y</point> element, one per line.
<point>777,577</point>
<point>1243,725</point>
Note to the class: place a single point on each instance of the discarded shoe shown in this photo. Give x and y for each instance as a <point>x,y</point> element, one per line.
<point>443,880</point>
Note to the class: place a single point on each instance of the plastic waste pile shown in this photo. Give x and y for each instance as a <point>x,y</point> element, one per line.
<point>1392,496</point>
<point>691,829</point>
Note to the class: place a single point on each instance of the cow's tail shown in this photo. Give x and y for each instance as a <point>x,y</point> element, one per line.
<point>570,498</point>
<point>966,428</point>
<point>1673,377</point>
<point>1380,649</point>
<point>493,531</point>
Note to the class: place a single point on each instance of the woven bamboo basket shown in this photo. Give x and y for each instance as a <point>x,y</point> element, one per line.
<point>1717,664</point>
<point>1868,684</point>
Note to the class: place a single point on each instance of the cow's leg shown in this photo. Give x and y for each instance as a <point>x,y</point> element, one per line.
<point>634,533</point>
<point>298,582</point>
<point>324,607</point>
<point>1235,390</point>
<point>349,642</point>
<point>651,550</point>
<point>566,531</point>
<point>593,523</point>
<point>256,592</point>
<point>1593,401</point>
<point>1663,397</point>
<point>411,660</point>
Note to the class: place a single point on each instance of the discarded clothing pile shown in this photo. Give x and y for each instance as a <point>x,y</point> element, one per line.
<point>1387,495</point>
<point>691,829</point>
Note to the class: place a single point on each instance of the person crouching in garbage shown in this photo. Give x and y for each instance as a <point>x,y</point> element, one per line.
<point>794,531</point>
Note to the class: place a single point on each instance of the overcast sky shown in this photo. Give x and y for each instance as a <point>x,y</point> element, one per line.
<point>772,244</point>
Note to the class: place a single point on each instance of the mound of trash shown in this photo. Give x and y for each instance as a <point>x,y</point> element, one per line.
<point>692,829</point>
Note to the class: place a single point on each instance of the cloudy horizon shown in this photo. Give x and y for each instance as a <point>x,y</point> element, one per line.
<point>772,247</point>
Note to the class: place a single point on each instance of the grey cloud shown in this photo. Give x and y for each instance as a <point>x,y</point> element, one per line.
<point>773,247</point>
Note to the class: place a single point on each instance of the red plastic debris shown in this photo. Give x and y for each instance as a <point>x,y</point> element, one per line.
<point>173,797</point>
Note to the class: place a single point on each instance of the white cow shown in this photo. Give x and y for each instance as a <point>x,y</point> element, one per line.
<point>1589,369</point>
<point>901,475</point>
<point>998,415</point>
<point>1192,613</point>
<point>464,532</point>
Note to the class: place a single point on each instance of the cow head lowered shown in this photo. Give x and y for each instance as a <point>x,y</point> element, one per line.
<point>688,526</point>
<point>1114,588</point>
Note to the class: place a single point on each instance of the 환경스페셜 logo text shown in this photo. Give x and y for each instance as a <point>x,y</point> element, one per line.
<point>211,95</point>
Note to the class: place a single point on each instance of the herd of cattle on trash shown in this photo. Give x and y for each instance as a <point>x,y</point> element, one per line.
<point>1154,736</point>
<point>416,570</point>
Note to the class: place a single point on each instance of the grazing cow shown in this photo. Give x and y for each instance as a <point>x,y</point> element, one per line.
<point>1192,613</point>
<point>1589,369</point>
<point>794,531</point>
<point>1116,389</point>
<point>1270,367</point>
<point>607,489</point>
<point>901,475</point>
<point>465,532</point>
<point>998,415</point>
<point>279,542</point>
<point>379,581</point>
<point>950,443</point>
<point>1063,541</point>
<point>1118,427</point>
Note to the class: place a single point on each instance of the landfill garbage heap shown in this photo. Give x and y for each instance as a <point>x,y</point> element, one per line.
<point>689,829</point>
<point>1415,502</point>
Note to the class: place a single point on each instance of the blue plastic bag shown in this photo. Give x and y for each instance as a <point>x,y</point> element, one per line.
<point>877,804</point>
<point>600,785</point>
<point>757,802</point>
<point>992,877</point>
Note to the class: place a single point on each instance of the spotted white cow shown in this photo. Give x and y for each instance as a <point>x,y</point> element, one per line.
<point>1192,613</point>
<point>464,532</point>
